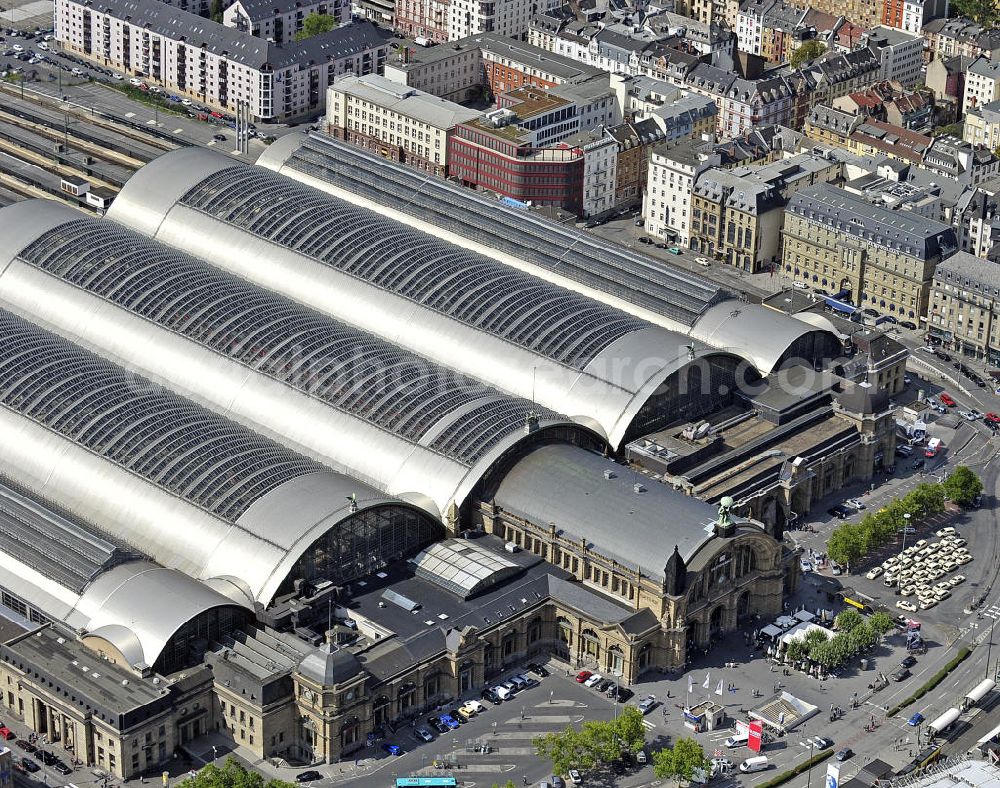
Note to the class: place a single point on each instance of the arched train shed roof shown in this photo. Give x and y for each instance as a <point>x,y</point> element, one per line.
<point>596,364</point>
<point>195,492</point>
<point>404,425</point>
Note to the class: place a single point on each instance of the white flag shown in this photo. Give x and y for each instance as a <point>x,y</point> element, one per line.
<point>690,684</point>
<point>718,690</point>
<point>705,685</point>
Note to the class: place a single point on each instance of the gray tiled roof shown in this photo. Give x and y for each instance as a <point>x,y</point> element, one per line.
<point>238,46</point>
<point>913,235</point>
<point>969,271</point>
<point>561,485</point>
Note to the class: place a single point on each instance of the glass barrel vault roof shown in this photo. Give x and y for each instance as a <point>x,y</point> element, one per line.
<point>471,288</point>
<point>350,370</point>
<point>177,446</point>
<point>577,255</point>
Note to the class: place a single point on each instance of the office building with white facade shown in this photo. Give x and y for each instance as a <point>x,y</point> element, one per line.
<point>400,123</point>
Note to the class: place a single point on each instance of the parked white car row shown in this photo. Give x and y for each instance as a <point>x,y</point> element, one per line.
<point>919,570</point>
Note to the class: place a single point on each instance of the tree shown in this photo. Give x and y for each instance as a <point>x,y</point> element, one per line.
<point>231,775</point>
<point>796,651</point>
<point>629,730</point>
<point>845,544</point>
<point>962,485</point>
<point>847,619</point>
<point>565,750</point>
<point>679,761</point>
<point>314,24</point>
<point>882,622</point>
<point>983,12</point>
<point>809,51</point>
<point>216,12</point>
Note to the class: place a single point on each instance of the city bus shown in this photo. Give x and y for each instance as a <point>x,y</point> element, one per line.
<point>426,782</point>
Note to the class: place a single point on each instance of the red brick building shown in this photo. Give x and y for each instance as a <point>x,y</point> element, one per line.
<point>503,161</point>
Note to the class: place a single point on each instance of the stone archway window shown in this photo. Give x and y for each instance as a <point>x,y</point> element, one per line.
<point>534,630</point>
<point>616,660</point>
<point>350,733</point>
<point>380,710</point>
<point>591,644</point>
<point>645,655</point>
<point>715,621</point>
<point>565,631</point>
<point>508,645</point>
<point>407,696</point>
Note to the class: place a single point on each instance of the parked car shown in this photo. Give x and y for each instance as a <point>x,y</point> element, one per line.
<point>805,565</point>
<point>538,670</point>
<point>623,695</point>
<point>6,733</point>
<point>908,662</point>
<point>901,674</point>
<point>593,680</point>
<point>29,765</point>
<point>219,137</point>
<point>674,250</point>
<point>915,720</point>
<point>946,399</point>
<point>437,724</point>
<point>839,511</point>
<point>645,240</point>
<point>422,734</point>
<point>491,696</point>
<point>844,754</point>
<point>392,749</point>
<point>647,704</point>
<point>574,777</point>
<point>62,768</point>
<point>603,686</point>
<point>856,504</point>
<point>583,675</point>
<point>822,742</point>
<point>908,324</point>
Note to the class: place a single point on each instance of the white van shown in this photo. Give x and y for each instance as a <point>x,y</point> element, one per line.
<point>740,740</point>
<point>758,764</point>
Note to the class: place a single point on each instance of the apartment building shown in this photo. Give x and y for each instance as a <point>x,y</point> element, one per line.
<point>946,79</point>
<point>748,104</point>
<point>687,116</point>
<point>600,162</point>
<point>959,36</point>
<point>982,83</point>
<point>900,55</point>
<point>982,125</point>
<point>280,20</point>
<point>910,16</point>
<point>884,259</point>
<point>669,186</point>
<point>217,65</point>
<point>511,64</point>
<point>976,219</point>
<point>402,124</point>
<point>737,213</point>
<point>736,220</point>
<point>964,309</point>
<point>438,21</point>
<point>453,72</point>
<point>782,31</point>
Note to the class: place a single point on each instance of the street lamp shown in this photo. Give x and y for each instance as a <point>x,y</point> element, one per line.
<point>906,524</point>
<point>214,753</point>
<point>989,649</point>
<point>809,774</point>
